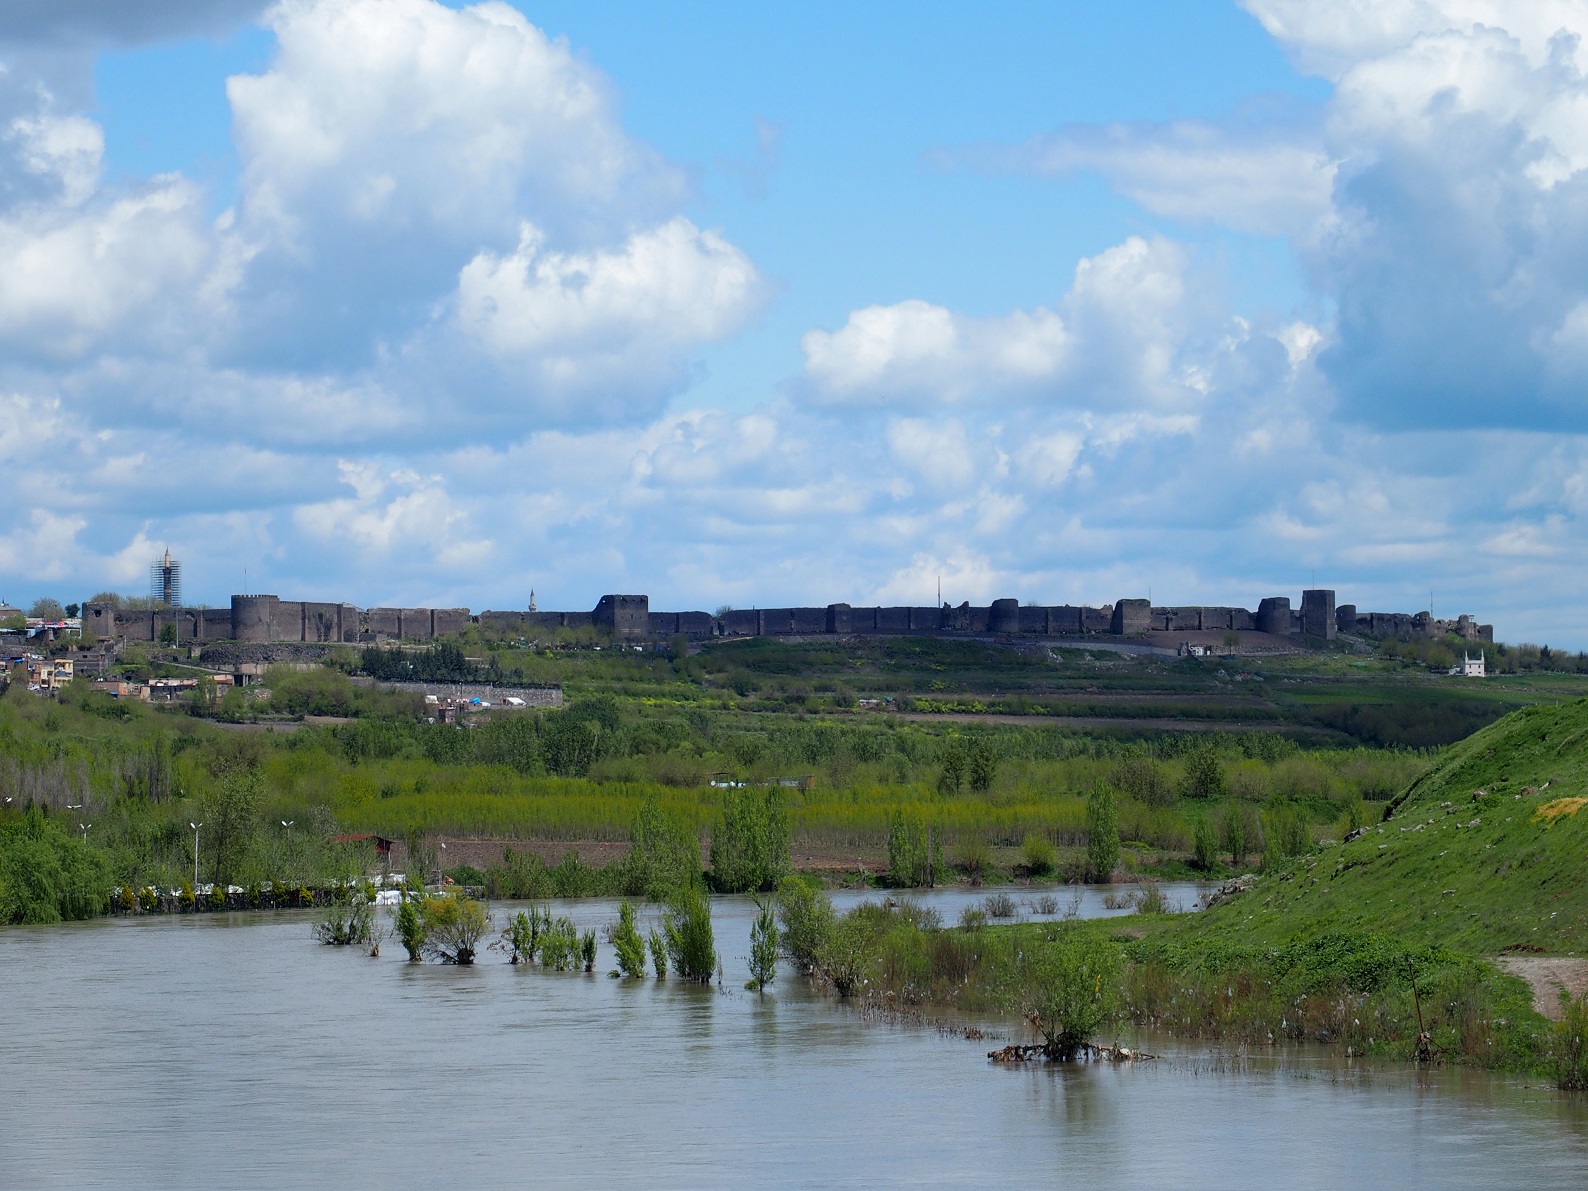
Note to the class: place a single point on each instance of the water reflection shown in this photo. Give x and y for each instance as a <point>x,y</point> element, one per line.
<point>233,1051</point>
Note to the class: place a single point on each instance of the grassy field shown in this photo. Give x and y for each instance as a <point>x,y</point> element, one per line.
<point>1487,850</point>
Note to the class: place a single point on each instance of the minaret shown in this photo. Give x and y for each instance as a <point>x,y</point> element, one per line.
<point>531,599</point>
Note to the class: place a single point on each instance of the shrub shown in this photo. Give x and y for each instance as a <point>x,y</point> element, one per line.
<point>519,938</point>
<point>973,918</point>
<point>953,759</point>
<point>763,948</point>
<point>47,874</point>
<point>587,949</point>
<point>1206,844</point>
<point>1568,1050</point>
<point>1149,899</point>
<point>750,844</point>
<point>560,946</point>
<point>973,858</point>
<point>345,922</point>
<point>626,939</point>
<point>1070,990</point>
<point>1235,835</point>
<point>982,762</point>
<point>658,954</point>
<point>691,946</point>
<point>664,853</point>
<point>915,852</point>
<point>1102,834</point>
<point>454,927</point>
<point>1145,781</point>
<point>847,953</point>
<point>1287,835</point>
<point>1037,853</point>
<point>999,905</point>
<point>1204,776</point>
<point>411,928</point>
<point>807,919</point>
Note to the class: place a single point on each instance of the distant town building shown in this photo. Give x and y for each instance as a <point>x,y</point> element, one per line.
<point>1470,667</point>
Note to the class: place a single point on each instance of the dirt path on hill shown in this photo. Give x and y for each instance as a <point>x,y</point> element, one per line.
<point>1547,976</point>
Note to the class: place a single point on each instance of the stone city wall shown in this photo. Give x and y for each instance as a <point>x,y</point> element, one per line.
<point>263,619</point>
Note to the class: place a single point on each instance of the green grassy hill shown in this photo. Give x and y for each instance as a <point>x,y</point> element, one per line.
<point>1486,851</point>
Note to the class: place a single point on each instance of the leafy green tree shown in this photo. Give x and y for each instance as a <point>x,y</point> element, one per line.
<point>1102,833</point>
<point>1070,989</point>
<point>658,954</point>
<point>751,843</point>
<point>846,954</point>
<point>47,874</point>
<point>664,853</point>
<point>45,608</point>
<point>1206,844</point>
<point>1204,776</point>
<point>411,928</point>
<point>763,948</point>
<point>915,852</point>
<point>454,927</point>
<point>982,762</point>
<point>807,918</point>
<point>519,938</point>
<point>231,813</point>
<point>168,633</point>
<point>1037,854</point>
<point>345,922</point>
<point>1235,836</point>
<point>691,946</point>
<point>954,761</point>
<point>626,939</point>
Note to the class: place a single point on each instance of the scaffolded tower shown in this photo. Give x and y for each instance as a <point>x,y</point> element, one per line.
<point>165,581</point>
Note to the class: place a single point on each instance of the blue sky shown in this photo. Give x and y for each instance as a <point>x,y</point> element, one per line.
<point>400,303</point>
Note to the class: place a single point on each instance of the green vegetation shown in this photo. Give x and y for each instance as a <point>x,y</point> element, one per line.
<point>1483,852</point>
<point>763,948</point>
<point>1069,989</point>
<point>453,928</point>
<point>691,946</point>
<point>750,842</point>
<point>347,921</point>
<point>1102,834</point>
<point>628,943</point>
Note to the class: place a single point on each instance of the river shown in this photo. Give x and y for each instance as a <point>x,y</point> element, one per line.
<point>231,1051</point>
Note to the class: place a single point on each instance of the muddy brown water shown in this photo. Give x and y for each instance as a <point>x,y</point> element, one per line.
<point>231,1051</point>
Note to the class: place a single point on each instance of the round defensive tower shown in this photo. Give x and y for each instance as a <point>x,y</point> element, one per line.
<point>1273,616</point>
<point>254,618</point>
<point>1004,616</point>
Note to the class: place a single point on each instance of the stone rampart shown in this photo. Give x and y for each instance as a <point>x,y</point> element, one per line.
<point>266,619</point>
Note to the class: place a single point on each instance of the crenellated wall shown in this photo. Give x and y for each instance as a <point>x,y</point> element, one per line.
<point>263,619</point>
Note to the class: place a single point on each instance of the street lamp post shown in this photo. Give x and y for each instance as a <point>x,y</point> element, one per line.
<point>195,827</point>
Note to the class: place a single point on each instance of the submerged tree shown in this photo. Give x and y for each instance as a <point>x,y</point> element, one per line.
<point>411,928</point>
<point>628,943</point>
<point>807,918</point>
<point>659,954</point>
<point>1070,990</point>
<point>763,948</point>
<point>347,921</point>
<point>454,927</point>
<point>691,946</point>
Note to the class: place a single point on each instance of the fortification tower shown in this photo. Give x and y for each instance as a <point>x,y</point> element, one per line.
<point>165,580</point>
<point>254,618</point>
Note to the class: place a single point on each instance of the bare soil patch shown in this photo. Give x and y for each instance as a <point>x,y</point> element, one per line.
<point>1547,976</point>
